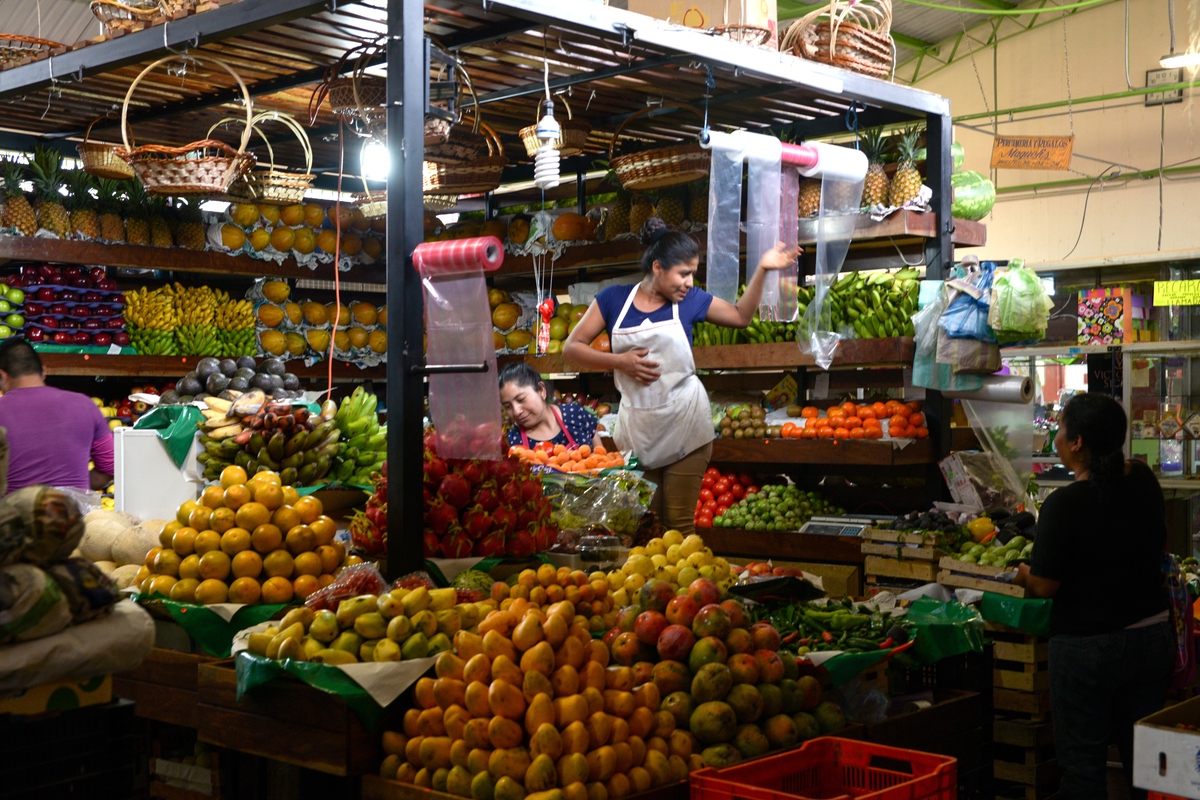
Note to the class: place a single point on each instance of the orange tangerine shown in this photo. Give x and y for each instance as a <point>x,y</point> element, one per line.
<point>327,241</point>
<point>330,558</point>
<point>244,590</point>
<point>251,515</point>
<point>266,538</point>
<point>282,238</point>
<point>290,495</point>
<point>247,564</point>
<point>199,518</point>
<point>304,585</point>
<point>269,495</point>
<point>277,590</point>
<point>314,215</point>
<point>213,497</point>
<point>232,475</point>
<point>308,509</point>
<point>184,541</point>
<point>234,541</point>
<point>236,496</point>
<point>207,541</point>
<point>168,531</point>
<point>372,247</point>
<point>307,564</point>
<point>305,242</point>
<point>278,564</point>
<point>325,579</point>
<point>300,539</point>
<point>285,518</point>
<point>152,554</point>
<point>184,590</point>
<point>185,511</point>
<point>292,215</point>
<point>214,564</point>
<point>190,567</point>
<point>340,549</point>
<point>222,520</point>
<point>161,584</point>
<point>167,563</point>
<point>351,560</point>
<point>211,591</point>
<point>265,476</point>
<point>270,213</point>
<point>324,528</point>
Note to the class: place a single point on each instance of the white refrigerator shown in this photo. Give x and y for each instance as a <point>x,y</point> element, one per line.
<point>146,482</point>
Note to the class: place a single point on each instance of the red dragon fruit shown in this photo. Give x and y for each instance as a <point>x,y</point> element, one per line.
<point>440,516</point>
<point>456,544</point>
<point>531,489</point>
<point>489,546</point>
<point>487,496</point>
<point>504,521</point>
<point>433,545</point>
<point>510,494</point>
<point>544,535</point>
<point>527,515</point>
<point>434,468</point>
<point>476,522</point>
<point>454,490</point>
<point>473,471</point>
<point>503,470</point>
<point>520,545</point>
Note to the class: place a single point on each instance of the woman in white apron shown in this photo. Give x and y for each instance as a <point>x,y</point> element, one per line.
<point>664,415</point>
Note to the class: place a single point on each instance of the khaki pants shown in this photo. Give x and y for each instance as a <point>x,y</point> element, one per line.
<point>679,489</point>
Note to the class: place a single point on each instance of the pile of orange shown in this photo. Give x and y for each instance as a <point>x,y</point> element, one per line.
<point>852,421</point>
<point>246,540</point>
<point>560,458</point>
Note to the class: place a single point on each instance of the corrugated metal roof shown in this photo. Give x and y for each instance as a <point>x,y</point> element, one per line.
<point>63,21</point>
<point>930,24</point>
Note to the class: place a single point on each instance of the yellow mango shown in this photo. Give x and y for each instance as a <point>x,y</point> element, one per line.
<point>412,751</point>
<point>506,700</point>
<point>477,760</point>
<point>509,763</point>
<point>476,696</point>
<point>455,720</point>
<point>482,787</point>
<point>572,768</point>
<point>599,728</point>
<point>508,789</point>
<point>293,649</point>
<point>435,752</point>
<point>505,733</point>
<point>624,756</point>
<point>540,658</point>
<point>540,711</point>
<point>477,668</point>
<point>505,669</point>
<point>458,781</point>
<point>602,763</point>
<point>572,652</point>
<point>449,691</point>
<point>594,699</point>
<point>659,768</point>
<point>258,642</point>
<point>570,709</point>
<point>575,738</point>
<point>575,791</point>
<point>448,665</point>
<point>527,633</point>
<point>302,614</point>
<point>535,684</point>
<point>423,693</point>
<point>468,644</point>
<point>540,777</point>
<point>546,740</point>
<point>431,722</point>
<point>592,676</point>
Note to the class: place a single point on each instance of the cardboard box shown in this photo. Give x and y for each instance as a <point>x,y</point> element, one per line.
<point>705,14</point>
<point>1166,758</point>
<point>59,696</point>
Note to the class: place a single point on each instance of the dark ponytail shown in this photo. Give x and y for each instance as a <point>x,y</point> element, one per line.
<point>669,248</point>
<point>1101,422</point>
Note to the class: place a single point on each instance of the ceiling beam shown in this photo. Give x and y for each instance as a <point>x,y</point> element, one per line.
<point>998,5</point>
<point>911,42</point>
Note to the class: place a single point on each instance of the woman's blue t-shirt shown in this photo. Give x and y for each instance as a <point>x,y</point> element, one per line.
<point>575,418</point>
<point>692,309</point>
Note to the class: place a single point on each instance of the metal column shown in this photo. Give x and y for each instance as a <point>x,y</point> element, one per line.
<point>408,77</point>
<point>939,257</point>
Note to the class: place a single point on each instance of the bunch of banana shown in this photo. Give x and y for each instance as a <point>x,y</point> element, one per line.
<point>150,321</point>
<point>234,321</point>
<point>706,334</point>
<point>195,308</point>
<point>364,440</point>
<point>220,420</point>
<point>876,307</point>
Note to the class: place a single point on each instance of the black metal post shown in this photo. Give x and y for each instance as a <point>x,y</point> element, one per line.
<point>939,257</point>
<point>408,76</point>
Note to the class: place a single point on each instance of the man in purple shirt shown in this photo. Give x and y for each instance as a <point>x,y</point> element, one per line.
<point>52,434</point>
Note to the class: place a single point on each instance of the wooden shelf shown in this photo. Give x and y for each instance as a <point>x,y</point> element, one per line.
<point>623,252</point>
<point>71,364</point>
<point>822,451</point>
<point>903,224</point>
<point>789,546</point>
<point>852,353</point>
<point>64,251</point>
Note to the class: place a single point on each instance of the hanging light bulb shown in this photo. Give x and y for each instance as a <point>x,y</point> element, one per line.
<point>545,161</point>
<point>376,161</point>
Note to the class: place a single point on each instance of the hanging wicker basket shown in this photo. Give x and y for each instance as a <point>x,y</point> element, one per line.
<point>571,141</point>
<point>206,167</point>
<point>14,48</point>
<point>483,174</point>
<point>751,35</point>
<point>463,143</point>
<point>118,16</point>
<point>358,98</point>
<point>101,159</point>
<point>661,167</point>
<point>273,186</point>
<point>851,35</point>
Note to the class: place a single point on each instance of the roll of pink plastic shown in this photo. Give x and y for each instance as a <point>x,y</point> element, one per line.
<point>482,254</point>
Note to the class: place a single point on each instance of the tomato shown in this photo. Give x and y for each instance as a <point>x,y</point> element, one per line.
<point>841,433</point>
<point>871,422</point>
<point>712,472</point>
<point>917,419</point>
<point>810,412</point>
<point>721,509</point>
<point>825,432</point>
<point>710,506</point>
<point>708,481</point>
<point>874,433</point>
<point>721,486</point>
<point>903,411</point>
<point>737,490</point>
<point>745,479</point>
<point>853,422</point>
<point>880,410</point>
<point>866,412</point>
<point>837,413</point>
<point>704,521</point>
<point>858,433</point>
<point>808,433</point>
<point>699,504</point>
<point>706,495</point>
<point>898,421</point>
<point>849,408</point>
<point>896,432</point>
<point>922,433</point>
<point>751,489</point>
<point>726,499</point>
<point>786,430</point>
<point>731,477</point>
<point>913,406</point>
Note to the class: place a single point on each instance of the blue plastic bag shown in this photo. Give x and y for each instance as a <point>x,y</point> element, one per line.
<point>967,315</point>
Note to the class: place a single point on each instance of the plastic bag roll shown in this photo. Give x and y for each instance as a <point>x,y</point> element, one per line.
<point>763,155</point>
<point>465,406</point>
<point>842,171</point>
<point>724,215</point>
<point>1000,389</point>
<point>789,234</point>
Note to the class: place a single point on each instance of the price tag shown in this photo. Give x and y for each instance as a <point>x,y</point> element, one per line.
<point>1177,293</point>
<point>114,349</point>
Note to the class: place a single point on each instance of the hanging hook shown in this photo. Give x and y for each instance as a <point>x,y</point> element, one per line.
<point>710,83</point>
<point>852,120</point>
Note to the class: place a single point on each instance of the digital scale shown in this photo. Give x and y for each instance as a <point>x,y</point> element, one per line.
<point>849,525</point>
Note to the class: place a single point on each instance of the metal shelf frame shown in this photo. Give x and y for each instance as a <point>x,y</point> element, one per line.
<point>761,90</point>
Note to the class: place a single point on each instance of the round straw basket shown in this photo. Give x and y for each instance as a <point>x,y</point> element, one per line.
<point>570,142</point>
<point>851,36</point>
<point>661,167</point>
<point>480,175</point>
<point>101,159</point>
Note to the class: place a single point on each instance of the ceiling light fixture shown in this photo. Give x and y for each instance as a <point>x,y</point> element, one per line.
<point>1180,60</point>
<point>376,161</point>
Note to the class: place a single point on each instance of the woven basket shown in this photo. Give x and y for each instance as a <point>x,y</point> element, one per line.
<point>463,143</point>
<point>358,98</point>
<point>122,16</point>
<point>206,167</point>
<point>273,186</point>
<point>570,142</point>
<point>661,167</point>
<point>483,174</point>
<point>101,159</point>
<point>853,36</point>
<point>15,48</point>
<point>751,35</point>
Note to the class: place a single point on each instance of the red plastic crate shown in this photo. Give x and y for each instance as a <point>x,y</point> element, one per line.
<point>829,768</point>
<point>1157,796</point>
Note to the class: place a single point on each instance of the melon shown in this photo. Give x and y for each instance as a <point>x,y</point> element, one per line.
<point>107,567</point>
<point>131,545</point>
<point>99,537</point>
<point>124,576</point>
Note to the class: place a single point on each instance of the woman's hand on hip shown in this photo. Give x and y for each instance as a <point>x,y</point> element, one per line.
<point>637,366</point>
<point>779,257</point>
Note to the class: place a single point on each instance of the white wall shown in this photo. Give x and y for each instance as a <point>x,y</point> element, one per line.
<point>1122,216</point>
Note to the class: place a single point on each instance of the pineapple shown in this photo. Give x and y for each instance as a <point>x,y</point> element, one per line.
<point>698,202</point>
<point>112,227</point>
<point>876,184</point>
<point>670,207</point>
<point>618,216</point>
<point>640,210</point>
<point>79,203</point>
<point>190,233</point>
<point>809,201</point>
<point>46,167</point>
<point>160,229</point>
<point>17,211</point>
<point>137,224</point>
<point>906,183</point>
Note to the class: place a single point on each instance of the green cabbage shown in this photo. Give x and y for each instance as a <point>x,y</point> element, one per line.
<point>974,195</point>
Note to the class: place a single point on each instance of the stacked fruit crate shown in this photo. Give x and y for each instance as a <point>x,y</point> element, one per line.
<point>1023,735</point>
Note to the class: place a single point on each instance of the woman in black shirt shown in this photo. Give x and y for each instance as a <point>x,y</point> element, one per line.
<point>1099,553</point>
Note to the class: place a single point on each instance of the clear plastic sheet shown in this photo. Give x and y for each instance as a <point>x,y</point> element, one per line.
<point>842,171</point>
<point>763,159</point>
<point>1005,432</point>
<point>724,215</point>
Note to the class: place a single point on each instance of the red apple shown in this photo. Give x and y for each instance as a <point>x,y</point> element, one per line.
<point>46,294</point>
<point>82,337</point>
<point>71,273</point>
<point>98,273</point>
<point>675,643</point>
<point>121,339</point>
<point>62,337</point>
<point>48,322</point>
<point>69,324</point>
<point>80,283</point>
<point>119,324</point>
<point>102,339</point>
<point>92,297</point>
<point>106,285</point>
<point>49,272</point>
<point>34,310</point>
<point>140,407</point>
<point>92,325</point>
<point>648,626</point>
<point>35,335</point>
<point>68,297</point>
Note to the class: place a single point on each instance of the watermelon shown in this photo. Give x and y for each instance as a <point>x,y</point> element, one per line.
<point>472,579</point>
<point>974,195</point>
<point>956,152</point>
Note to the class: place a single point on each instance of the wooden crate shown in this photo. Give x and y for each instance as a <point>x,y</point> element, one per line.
<point>911,570</point>
<point>901,545</point>
<point>164,686</point>
<point>962,575</point>
<point>288,721</point>
<point>1033,705</point>
<point>1022,732</point>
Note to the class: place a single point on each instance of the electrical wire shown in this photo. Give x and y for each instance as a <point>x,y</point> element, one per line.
<point>1083,219</point>
<point>337,256</point>
<point>1128,81</point>
<point>1015,12</point>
